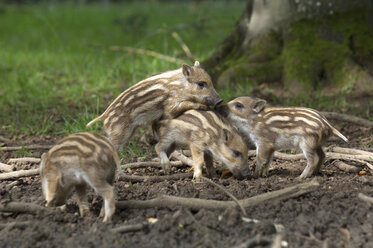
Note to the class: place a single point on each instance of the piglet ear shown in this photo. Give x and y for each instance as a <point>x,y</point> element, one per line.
<point>259,105</point>
<point>197,64</point>
<point>187,70</point>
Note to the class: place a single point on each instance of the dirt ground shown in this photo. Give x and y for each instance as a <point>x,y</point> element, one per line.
<point>331,216</point>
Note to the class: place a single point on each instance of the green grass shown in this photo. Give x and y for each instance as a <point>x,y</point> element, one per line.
<point>56,73</point>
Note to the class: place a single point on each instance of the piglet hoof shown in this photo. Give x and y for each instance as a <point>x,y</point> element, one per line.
<point>62,208</point>
<point>107,219</point>
<point>102,212</point>
<point>83,210</point>
<point>166,168</point>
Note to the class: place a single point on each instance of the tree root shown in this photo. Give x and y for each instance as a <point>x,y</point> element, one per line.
<point>174,201</point>
<point>136,179</point>
<point>15,224</point>
<point>25,159</point>
<point>229,194</point>
<point>256,241</point>
<point>30,147</point>
<point>196,204</point>
<point>17,174</point>
<point>6,167</point>
<point>130,228</point>
<point>348,118</point>
<point>145,164</point>
<point>365,198</point>
<point>185,160</point>
<point>345,167</point>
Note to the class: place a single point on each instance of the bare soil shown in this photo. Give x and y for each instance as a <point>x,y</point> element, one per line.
<point>332,216</point>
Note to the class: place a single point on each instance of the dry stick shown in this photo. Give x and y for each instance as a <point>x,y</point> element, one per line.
<point>17,174</point>
<point>145,164</point>
<point>351,151</point>
<point>185,48</point>
<point>6,167</point>
<point>25,159</point>
<point>147,52</point>
<point>15,224</point>
<point>348,118</point>
<point>30,147</point>
<point>254,242</point>
<point>196,204</point>
<point>130,228</point>
<point>345,167</point>
<point>133,178</point>
<point>365,198</point>
<point>177,155</point>
<point>229,194</point>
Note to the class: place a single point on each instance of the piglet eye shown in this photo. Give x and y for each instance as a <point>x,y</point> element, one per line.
<point>236,153</point>
<point>238,105</point>
<point>201,84</point>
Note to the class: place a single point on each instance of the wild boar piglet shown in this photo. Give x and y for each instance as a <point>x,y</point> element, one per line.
<point>165,95</point>
<point>208,136</point>
<point>75,162</point>
<point>275,128</point>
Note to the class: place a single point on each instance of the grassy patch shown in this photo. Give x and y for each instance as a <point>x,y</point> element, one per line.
<point>56,73</point>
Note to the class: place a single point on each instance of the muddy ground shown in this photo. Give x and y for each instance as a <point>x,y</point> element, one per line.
<point>331,216</point>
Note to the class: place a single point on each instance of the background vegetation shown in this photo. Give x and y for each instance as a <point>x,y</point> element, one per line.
<point>57,73</point>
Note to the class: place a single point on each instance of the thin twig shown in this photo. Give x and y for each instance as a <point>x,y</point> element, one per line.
<point>17,174</point>
<point>6,167</point>
<point>130,228</point>
<point>147,52</point>
<point>30,147</point>
<point>228,193</point>
<point>21,207</point>
<point>365,198</point>
<point>134,178</point>
<point>348,118</point>
<point>185,48</point>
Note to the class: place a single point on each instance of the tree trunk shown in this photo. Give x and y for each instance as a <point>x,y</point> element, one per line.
<point>302,44</point>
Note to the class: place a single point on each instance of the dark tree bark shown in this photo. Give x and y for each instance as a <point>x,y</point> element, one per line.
<point>302,44</point>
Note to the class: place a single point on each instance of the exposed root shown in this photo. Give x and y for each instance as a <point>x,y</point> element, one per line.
<point>25,159</point>
<point>196,204</point>
<point>348,118</point>
<point>6,167</point>
<point>365,198</point>
<point>17,174</point>
<point>135,179</point>
<point>345,167</point>
<point>145,164</point>
<point>30,147</point>
<point>229,194</point>
<point>130,228</point>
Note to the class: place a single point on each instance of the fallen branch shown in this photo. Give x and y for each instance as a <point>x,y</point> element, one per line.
<point>365,198</point>
<point>130,228</point>
<point>229,194</point>
<point>136,179</point>
<point>6,167</point>
<point>196,204</point>
<point>147,52</point>
<point>185,48</point>
<point>145,164</point>
<point>345,167</point>
<point>185,160</point>
<point>17,174</point>
<point>348,118</point>
<point>30,147</point>
<point>15,224</point>
<point>25,159</point>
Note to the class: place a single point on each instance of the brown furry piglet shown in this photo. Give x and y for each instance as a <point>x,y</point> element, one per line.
<point>275,128</point>
<point>75,162</point>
